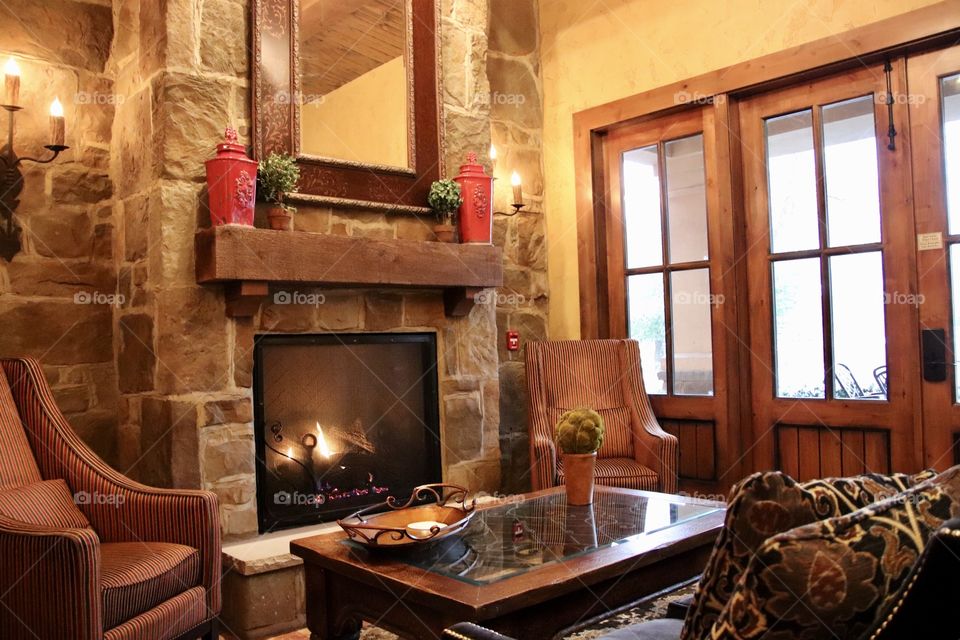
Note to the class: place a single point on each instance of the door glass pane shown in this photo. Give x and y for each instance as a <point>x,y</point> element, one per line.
<point>950,90</point>
<point>641,207</point>
<point>690,323</point>
<point>792,182</point>
<point>850,171</point>
<point>686,199</point>
<point>859,331</point>
<point>955,299</point>
<point>798,328</point>
<point>646,318</point>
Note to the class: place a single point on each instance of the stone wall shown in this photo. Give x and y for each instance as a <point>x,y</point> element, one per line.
<point>161,381</point>
<point>516,119</point>
<point>57,294</point>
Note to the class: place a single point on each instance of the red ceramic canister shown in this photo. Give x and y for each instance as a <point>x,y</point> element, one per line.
<point>476,212</point>
<point>231,183</point>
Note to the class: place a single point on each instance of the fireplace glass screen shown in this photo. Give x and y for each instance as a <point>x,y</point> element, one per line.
<point>342,422</point>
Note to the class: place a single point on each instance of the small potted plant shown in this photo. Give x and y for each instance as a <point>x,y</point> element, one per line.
<point>579,435</point>
<point>445,199</point>
<point>278,174</point>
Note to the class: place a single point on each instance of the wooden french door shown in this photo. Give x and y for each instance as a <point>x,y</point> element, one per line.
<point>934,92</point>
<point>831,265</point>
<point>669,241</point>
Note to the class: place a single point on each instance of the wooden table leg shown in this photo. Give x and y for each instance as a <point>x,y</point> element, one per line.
<point>321,613</point>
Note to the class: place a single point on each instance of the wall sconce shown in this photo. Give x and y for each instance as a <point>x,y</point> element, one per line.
<point>11,178</point>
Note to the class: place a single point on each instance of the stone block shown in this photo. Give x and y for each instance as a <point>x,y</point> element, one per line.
<point>227,451</point>
<point>103,242</point>
<point>31,276</point>
<point>483,475</point>
<point>72,399</point>
<point>77,34</point>
<point>515,462</point>
<point>476,341</point>
<point>58,331</point>
<point>423,310</point>
<point>135,228</point>
<point>61,233</point>
<point>223,36</point>
<point>312,220</point>
<point>136,144</point>
<point>264,604</point>
<point>136,359</point>
<point>227,410</point>
<point>238,521</point>
<point>415,228</point>
<point>531,242</point>
<point>243,352</point>
<point>192,345</point>
<point>173,212</point>
<point>235,491</point>
<point>194,112</point>
<point>513,398</point>
<point>382,311</point>
<point>170,443</point>
<point>98,429</point>
<point>339,312</point>
<point>514,26</point>
<point>463,426</point>
<point>515,91</point>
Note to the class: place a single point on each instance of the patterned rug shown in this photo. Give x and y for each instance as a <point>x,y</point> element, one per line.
<point>648,609</point>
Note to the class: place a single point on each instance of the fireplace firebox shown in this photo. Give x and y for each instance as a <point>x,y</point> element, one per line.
<point>342,422</point>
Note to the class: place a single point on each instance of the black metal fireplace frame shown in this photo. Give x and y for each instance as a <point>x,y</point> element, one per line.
<point>431,409</point>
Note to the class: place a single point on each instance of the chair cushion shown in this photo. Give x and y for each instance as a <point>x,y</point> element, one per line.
<point>832,578</point>
<point>19,466</point>
<point>47,503</point>
<point>620,472</point>
<point>765,504</point>
<point>137,576</point>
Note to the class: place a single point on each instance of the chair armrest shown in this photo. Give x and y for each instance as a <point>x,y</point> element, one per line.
<point>50,582</point>
<point>656,449</point>
<point>470,631</point>
<point>543,463</point>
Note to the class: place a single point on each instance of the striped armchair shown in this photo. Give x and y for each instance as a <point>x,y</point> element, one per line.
<point>603,375</point>
<point>85,553</point>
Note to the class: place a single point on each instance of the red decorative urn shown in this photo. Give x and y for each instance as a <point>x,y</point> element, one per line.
<point>476,212</point>
<point>231,183</point>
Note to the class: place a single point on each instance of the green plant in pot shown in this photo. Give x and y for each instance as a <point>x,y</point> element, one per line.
<point>278,174</point>
<point>579,435</point>
<point>445,199</point>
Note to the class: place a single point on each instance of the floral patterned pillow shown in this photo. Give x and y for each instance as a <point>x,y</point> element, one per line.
<point>765,504</point>
<point>831,579</point>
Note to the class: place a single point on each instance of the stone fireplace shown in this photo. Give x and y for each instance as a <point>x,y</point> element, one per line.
<point>342,421</point>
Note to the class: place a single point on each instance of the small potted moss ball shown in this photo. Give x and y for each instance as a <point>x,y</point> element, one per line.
<point>579,435</point>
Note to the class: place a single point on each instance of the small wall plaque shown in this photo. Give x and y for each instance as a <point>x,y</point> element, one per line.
<point>928,241</point>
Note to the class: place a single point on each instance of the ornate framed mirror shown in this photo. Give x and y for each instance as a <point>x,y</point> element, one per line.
<point>350,89</point>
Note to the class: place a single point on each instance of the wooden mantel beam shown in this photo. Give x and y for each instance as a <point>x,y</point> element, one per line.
<point>247,260</point>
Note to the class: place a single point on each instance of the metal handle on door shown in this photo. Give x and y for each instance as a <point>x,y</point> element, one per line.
<point>934,345</point>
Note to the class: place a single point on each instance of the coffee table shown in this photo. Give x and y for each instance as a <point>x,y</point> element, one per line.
<point>529,567</point>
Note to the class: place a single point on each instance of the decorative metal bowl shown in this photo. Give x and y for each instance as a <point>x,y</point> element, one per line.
<point>391,529</point>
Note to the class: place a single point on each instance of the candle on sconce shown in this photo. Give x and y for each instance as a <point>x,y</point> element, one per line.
<point>517,188</point>
<point>11,81</point>
<point>57,124</point>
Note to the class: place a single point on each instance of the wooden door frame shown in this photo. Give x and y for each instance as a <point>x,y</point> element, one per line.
<point>940,411</point>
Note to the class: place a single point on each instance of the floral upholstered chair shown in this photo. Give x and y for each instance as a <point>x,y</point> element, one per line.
<point>866,558</point>
<point>603,375</point>
<point>85,553</point>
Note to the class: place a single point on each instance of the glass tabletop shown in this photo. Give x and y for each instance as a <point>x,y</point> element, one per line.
<point>516,537</point>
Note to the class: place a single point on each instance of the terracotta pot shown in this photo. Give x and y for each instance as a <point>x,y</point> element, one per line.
<point>578,471</point>
<point>280,219</point>
<point>445,232</point>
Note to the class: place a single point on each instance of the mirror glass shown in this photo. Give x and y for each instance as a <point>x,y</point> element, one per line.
<point>354,81</point>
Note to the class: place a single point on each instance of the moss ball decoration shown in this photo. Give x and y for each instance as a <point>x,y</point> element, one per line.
<point>580,431</point>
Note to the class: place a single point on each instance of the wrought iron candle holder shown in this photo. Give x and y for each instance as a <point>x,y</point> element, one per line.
<point>11,185</point>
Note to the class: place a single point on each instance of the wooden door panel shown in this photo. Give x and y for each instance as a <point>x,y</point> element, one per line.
<point>941,413</point>
<point>830,435</point>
